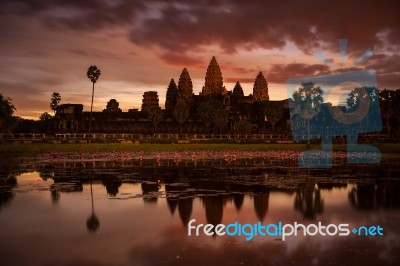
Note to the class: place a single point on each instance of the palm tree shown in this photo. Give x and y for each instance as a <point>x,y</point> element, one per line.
<point>307,103</point>
<point>93,74</point>
<point>92,222</point>
<point>54,101</point>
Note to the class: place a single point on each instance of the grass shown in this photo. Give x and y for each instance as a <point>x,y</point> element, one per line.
<point>16,149</point>
<point>33,149</point>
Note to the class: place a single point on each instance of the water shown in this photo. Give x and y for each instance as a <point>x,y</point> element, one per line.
<point>135,212</point>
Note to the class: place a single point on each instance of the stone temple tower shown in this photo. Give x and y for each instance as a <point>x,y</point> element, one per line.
<point>170,99</point>
<point>213,83</point>
<point>150,99</point>
<point>238,90</point>
<point>185,88</point>
<point>260,89</point>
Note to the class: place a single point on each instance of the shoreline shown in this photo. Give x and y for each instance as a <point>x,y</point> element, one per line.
<point>388,150</point>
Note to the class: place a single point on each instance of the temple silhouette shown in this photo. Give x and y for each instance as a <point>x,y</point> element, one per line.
<point>182,112</point>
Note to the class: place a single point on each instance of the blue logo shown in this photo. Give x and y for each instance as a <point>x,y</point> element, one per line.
<point>338,104</point>
<point>280,230</point>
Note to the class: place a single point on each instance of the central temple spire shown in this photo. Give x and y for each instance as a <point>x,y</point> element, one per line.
<point>260,89</point>
<point>213,82</point>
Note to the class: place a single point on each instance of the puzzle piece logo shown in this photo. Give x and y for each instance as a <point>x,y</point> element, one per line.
<point>339,104</point>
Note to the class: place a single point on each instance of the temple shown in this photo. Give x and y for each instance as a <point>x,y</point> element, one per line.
<point>214,109</point>
<point>260,89</point>
<point>150,99</point>
<point>185,88</point>
<point>170,99</point>
<point>213,81</point>
<point>112,106</point>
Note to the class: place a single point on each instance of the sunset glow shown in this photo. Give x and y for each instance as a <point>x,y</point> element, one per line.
<point>140,45</point>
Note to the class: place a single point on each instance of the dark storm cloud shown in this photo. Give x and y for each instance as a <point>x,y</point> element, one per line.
<point>310,25</point>
<point>91,15</point>
<point>384,63</point>
<point>279,73</point>
<point>94,53</point>
<point>180,29</point>
<point>387,69</point>
<point>182,26</point>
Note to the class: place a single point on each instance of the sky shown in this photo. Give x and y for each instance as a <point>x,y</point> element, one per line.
<point>47,46</point>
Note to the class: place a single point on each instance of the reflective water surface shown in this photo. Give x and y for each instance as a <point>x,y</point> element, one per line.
<point>135,212</point>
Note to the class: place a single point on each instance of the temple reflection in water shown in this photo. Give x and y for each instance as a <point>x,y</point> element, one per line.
<point>217,184</point>
<point>142,208</point>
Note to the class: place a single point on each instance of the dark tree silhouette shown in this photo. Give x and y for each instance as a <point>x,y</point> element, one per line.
<point>258,114</point>
<point>374,196</point>
<point>45,117</point>
<point>220,118</point>
<point>7,120</point>
<point>92,222</point>
<point>155,115</point>
<point>390,107</point>
<point>112,185</point>
<point>148,187</point>
<point>308,201</point>
<point>360,95</point>
<point>6,192</point>
<point>54,101</point>
<point>181,113</point>
<point>207,110</point>
<point>364,196</point>
<point>243,127</point>
<point>273,112</point>
<point>307,103</point>
<point>55,196</point>
<point>93,74</point>
<point>363,104</point>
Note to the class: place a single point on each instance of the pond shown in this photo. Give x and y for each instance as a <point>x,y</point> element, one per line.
<point>136,212</point>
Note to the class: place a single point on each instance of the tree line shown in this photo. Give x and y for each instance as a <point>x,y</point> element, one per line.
<point>212,113</point>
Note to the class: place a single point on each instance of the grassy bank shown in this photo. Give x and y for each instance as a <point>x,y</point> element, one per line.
<point>15,149</point>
